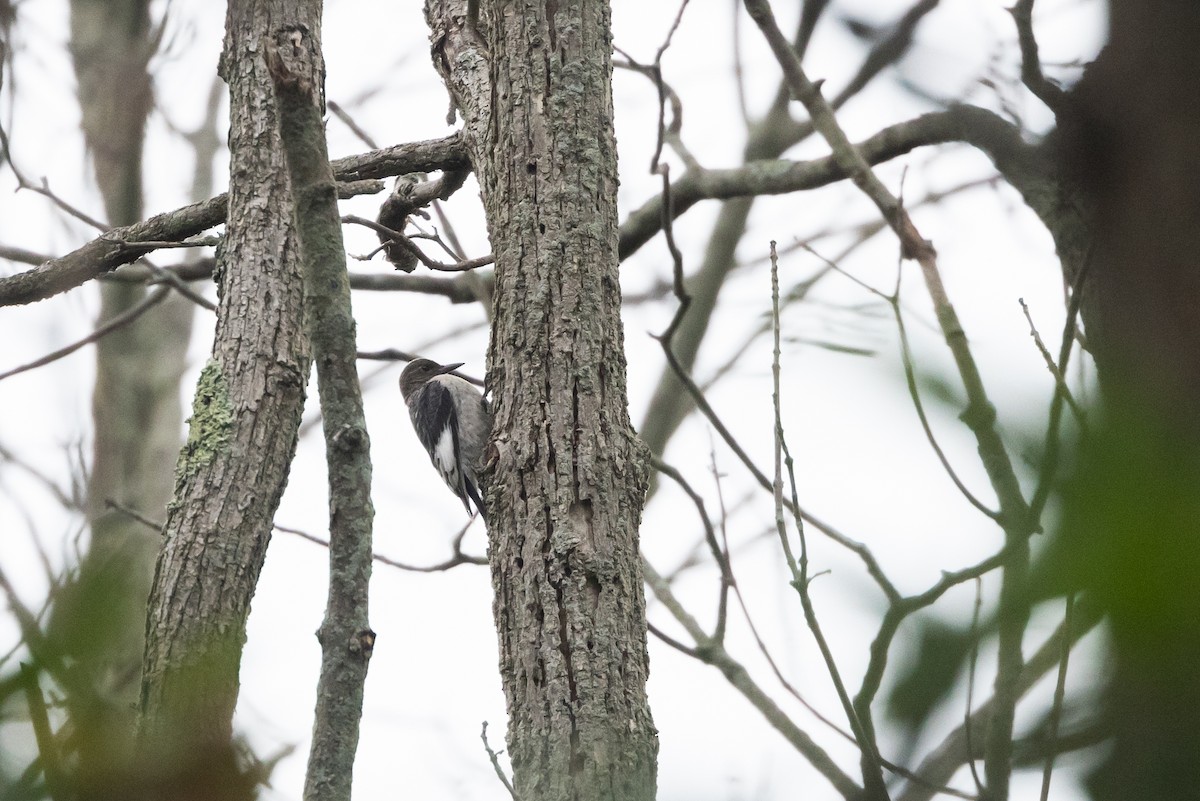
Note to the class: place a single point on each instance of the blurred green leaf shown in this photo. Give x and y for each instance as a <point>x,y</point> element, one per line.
<point>925,681</point>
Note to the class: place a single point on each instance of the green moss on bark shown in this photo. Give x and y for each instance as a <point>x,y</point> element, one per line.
<point>211,424</point>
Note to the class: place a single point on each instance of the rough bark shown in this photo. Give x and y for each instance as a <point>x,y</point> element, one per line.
<point>569,475</point>
<point>233,467</point>
<point>294,58</point>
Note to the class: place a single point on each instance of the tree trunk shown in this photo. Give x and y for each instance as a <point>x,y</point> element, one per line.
<point>298,69</point>
<point>244,424</point>
<point>568,474</point>
<point>99,615</point>
<point>1132,143</point>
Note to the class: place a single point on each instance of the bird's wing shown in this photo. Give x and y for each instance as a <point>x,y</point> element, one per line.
<point>436,423</point>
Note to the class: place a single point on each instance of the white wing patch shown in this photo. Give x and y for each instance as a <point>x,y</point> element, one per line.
<point>445,459</point>
<point>435,411</point>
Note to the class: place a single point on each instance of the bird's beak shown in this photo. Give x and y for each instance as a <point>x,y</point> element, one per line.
<point>449,368</point>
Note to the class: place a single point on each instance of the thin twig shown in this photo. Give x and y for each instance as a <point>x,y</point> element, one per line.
<point>436,238</point>
<point>47,748</point>
<point>456,559</point>
<point>758,640</point>
<point>710,536</point>
<point>177,283</point>
<point>336,110</point>
<point>1060,381</point>
<point>495,758</point>
<point>973,661</point>
<point>872,771</point>
<point>979,416</point>
<point>64,497</point>
<point>697,395</point>
<point>133,514</point>
<point>407,244</point>
<point>910,376</point>
<point>868,559</point>
<point>727,580</point>
<point>916,778</point>
<point>890,625</point>
<point>674,643</point>
<point>124,318</point>
<point>671,133</point>
<point>1031,66</point>
<point>78,214</point>
<point>739,71</point>
<point>1052,444</point>
<point>735,673</point>
<point>1060,690</point>
<point>951,579</point>
<point>34,640</point>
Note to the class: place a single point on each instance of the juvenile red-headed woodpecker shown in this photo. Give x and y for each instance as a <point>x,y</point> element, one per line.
<point>452,420</point>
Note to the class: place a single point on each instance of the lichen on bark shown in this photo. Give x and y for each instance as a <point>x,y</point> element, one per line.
<point>211,423</point>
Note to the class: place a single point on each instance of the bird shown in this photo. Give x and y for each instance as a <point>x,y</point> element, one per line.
<point>453,421</point>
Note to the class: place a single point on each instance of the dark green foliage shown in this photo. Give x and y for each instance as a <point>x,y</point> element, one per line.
<point>925,682</point>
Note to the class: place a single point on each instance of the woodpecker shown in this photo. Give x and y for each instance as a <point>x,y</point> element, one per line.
<point>452,420</point>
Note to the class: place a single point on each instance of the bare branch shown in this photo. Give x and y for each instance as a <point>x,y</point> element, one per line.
<point>496,764</point>
<point>710,536</point>
<point>972,663</point>
<point>1060,689</point>
<point>979,416</point>
<point>1042,87</point>
<point>458,557</point>
<point>407,244</point>
<point>872,771</point>
<point>1060,381</point>
<point>21,255</point>
<point>47,748</point>
<point>100,256</point>
<point>133,514</point>
<point>864,553</point>
<point>456,290</point>
<point>122,319</point>
<point>715,654</point>
<point>297,69</point>
<point>887,51</point>
<point>944,761</point>
<point>336,110</point>
<point>910,377</point>
<point>968,124</point>
<point>1050,450</point>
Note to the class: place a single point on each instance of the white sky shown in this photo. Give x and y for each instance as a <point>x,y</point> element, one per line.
<point>863,461</point>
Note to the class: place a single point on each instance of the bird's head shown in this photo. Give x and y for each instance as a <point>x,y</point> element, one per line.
<point>419,372</point>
